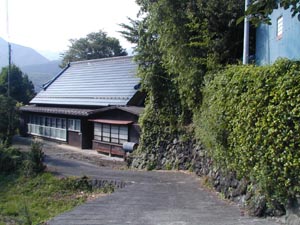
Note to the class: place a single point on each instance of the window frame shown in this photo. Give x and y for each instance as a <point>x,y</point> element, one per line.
<point>74,125</point>
<point>46,126</point>
<point>111,133</point>
<point>279,27</point>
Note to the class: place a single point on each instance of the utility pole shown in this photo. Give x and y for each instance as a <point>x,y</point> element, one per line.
<point>9,51</point>
<point>9,69</point>
<point>246,36</point>
<point>9,127</point>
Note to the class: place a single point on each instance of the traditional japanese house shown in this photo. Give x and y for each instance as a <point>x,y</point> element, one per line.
<point>90,104</point>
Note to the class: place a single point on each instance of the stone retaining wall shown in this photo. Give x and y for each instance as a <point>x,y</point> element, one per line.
<point>97,183</point>
<point>94,183</point>
<point>293,212</point>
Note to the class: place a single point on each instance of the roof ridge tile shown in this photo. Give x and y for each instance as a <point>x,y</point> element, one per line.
<point>101,59</point>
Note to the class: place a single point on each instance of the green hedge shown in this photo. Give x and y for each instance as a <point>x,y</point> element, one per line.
<point>250,123</point>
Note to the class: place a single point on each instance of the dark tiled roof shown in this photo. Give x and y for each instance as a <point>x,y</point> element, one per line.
<point>100,82</point>
<point>56,110</point>
<point>79,112</point>
<point>131,109</point>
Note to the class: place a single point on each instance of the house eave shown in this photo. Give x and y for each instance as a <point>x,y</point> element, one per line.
<point>56,110</point>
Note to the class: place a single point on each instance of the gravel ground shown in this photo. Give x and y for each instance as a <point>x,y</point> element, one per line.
<point>63,151</point>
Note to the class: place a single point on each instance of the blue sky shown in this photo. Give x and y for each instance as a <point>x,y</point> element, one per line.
<point>47,25</point>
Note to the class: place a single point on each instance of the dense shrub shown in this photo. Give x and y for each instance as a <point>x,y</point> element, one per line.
<point>10,159</point>
<point>250,123</point>
<point>34,160</point>
<point>28,163</point>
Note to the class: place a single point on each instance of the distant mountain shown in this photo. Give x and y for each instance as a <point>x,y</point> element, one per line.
<point>21,55</point>
<point>38,68</point>
<point>41,73</point>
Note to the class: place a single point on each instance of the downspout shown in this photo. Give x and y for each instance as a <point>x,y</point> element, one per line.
<point>268,49</point>
<point>246,36</point>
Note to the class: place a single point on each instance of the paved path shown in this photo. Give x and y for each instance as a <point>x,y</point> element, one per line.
<point>150,198</point>
<point>156,198</point>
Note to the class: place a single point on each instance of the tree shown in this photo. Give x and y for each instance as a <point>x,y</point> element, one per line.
<point>178,43</point>
<point>8,119</point>
<point>163,112</point>
<point>93,46</point>
<point>157,82</point>
<point>260,10</point>
<point>20,87</point>
<point>194,37</point>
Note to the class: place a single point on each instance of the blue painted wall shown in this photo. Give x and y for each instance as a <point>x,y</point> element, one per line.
<point>269,47</point>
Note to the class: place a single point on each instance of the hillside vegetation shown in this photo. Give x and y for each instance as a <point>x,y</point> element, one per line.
<point>250,123</point>
<point>245,117</point>
<point>29,195</point>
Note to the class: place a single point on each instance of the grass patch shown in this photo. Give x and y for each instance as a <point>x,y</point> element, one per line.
<point>34,200</point>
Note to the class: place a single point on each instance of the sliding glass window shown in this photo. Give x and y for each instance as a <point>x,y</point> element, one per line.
<point>111,133</point>
<point>45,126</point>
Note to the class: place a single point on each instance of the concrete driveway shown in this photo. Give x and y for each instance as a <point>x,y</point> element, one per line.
<point>149,198</point>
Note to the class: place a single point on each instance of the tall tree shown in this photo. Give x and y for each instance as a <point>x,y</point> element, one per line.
<point>193,37</point>
<point>93,46</point>
<point>20,87</point>
<point>156,80</point>
<point>163,112</point>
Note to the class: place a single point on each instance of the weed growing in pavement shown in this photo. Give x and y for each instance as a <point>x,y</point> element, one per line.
<point>34,200</point>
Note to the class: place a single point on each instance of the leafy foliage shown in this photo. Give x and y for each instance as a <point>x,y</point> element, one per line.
<point>261,9</point>
<point>163,112</point>
<point>34,161</point>
<point>177,43</point>
<point>14,161</point>
<point>21,91</point>
<point>94,46</point>
<point>193,37</point>
<point>10,159</point>
<point>21,88</point>
<point>8,119</point>
<point>250,123</point>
